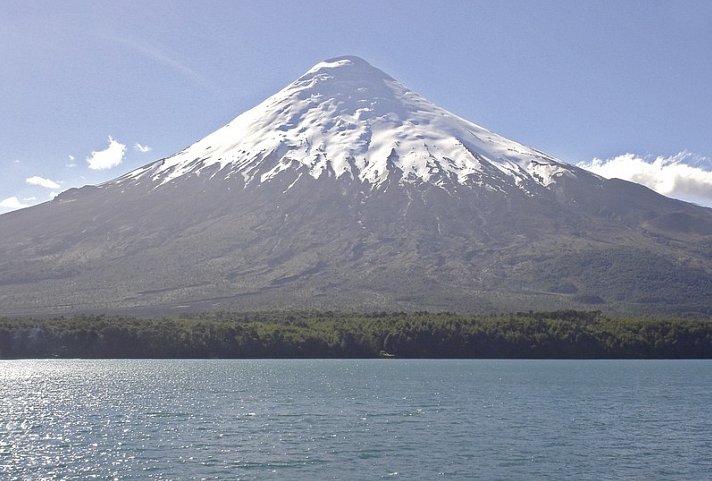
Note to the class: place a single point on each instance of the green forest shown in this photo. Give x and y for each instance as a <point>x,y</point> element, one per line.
<point>561,334</point>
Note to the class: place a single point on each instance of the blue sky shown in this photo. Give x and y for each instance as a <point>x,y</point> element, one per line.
<point>624,88</point>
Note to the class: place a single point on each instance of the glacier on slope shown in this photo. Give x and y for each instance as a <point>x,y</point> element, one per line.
<point>346,118</point>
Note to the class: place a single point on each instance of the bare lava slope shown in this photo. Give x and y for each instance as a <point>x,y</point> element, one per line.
<point>346,190</point>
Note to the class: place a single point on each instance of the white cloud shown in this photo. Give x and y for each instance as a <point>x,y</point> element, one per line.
<point>42,182</point>
<point>71,163</point>
<point>171,60</point>
<point>29,199</point>
<point>53,194</point>
<point>142,148</point>
<point>12,203</point>
<point>108,158</point>
<point>683,176</point>
<point>16,161</point>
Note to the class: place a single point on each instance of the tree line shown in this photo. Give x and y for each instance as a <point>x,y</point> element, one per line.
<point>560,334</point>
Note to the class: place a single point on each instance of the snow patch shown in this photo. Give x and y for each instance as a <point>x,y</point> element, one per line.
<point>346,118</point>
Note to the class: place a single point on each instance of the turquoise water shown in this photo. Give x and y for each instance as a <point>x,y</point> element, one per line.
<point>355,420</point>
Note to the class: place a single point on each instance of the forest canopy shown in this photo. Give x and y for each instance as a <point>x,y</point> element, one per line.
<point>560,334</point>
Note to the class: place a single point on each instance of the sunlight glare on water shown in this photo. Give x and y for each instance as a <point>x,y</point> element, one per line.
<point>354,420</point>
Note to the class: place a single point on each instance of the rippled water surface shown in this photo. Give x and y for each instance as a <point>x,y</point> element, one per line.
<point>355,420</point>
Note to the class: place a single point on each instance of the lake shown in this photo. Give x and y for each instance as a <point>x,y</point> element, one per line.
<point>355,420</point>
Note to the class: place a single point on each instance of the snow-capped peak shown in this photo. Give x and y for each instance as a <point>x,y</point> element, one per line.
<point>346,117</point>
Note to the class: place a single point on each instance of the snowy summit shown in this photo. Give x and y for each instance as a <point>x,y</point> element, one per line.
<point>347,119</point>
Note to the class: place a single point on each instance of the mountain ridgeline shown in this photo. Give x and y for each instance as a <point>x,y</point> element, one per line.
<point>348,191</point>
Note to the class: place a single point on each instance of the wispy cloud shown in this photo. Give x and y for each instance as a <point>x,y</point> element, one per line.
<point>167,59</point>
<point>685,175</point>
<point>42,182</point>
<point>12,203</point>
<point>142,148</point>
<point>71,162</point>
<point>108,158</point>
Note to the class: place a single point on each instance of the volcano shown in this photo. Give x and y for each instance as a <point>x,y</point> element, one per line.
<point>346,190</point>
